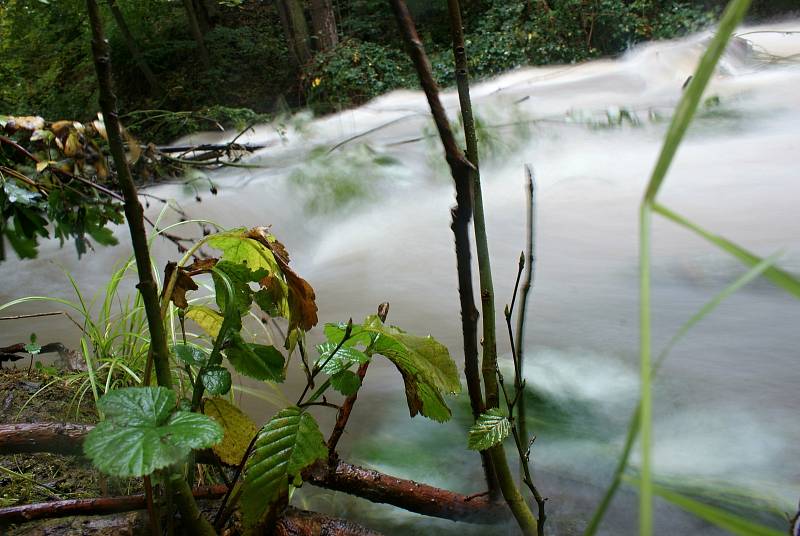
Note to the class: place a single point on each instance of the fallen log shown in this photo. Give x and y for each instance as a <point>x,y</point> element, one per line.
<point>112,516</point>
<point>62,438</point>
<point>407,494</point>
<point>96,506</point>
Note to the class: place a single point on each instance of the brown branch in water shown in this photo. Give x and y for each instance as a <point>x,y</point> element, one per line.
<point>96,506</point>
<point>59,438</point>
<point>407,494</point>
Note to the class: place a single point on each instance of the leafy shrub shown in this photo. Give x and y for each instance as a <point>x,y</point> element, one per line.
<point>353,73</point>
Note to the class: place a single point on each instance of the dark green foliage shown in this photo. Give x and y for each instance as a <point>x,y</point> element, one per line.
<point>355,72</point>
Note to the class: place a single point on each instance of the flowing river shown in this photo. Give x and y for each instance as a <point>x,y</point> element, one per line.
<point>361,200</point>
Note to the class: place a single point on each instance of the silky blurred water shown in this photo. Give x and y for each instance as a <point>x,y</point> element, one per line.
<point>361,199</point>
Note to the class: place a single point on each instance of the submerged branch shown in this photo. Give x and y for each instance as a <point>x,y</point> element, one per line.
<point>60,438</point>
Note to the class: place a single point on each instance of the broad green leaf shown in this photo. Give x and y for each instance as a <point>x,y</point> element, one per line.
<point>287,444</point>
<point>142,432</point>
<point>335,332</point>
<point>33,346</point>
<point>240,277</point>
<point>190,354</point>
<point>721,518</point>
<point>239,249</point>
<point>341,360</point>
<point>20,195</point>
<point>489,430</point>
<point>255,360</point>
<point>239,429</point>
<point>779,277</point>
<point>346,382</point>
<point>216,380</point>
<point>426,366</point>
<point>205,317</point>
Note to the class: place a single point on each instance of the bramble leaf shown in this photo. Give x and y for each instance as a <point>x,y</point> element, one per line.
<point>142,432</point>
<point>239,429</point>
<point>489,430</point>
<point>216,380</point>
<point>190,354</point>
<point>287,444</point>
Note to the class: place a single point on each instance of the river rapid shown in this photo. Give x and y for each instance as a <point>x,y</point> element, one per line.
<point>361,199</point>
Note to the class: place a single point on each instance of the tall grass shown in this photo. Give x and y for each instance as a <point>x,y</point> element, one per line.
<point>642,420</point>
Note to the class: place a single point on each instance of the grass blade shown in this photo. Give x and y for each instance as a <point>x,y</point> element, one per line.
<point>721,518</point>
<point>733,15</point>
<point>633,427</point>
<point>779,277</point>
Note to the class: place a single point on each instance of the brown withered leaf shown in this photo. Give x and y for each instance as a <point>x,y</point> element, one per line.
<point>183,284</point>
<point>201,266</point>
<point>302,305</point>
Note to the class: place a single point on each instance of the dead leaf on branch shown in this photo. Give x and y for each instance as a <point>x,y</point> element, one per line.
<point>183,284</point>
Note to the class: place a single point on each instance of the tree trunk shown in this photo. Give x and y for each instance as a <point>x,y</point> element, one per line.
<point>197,33</point>
<point>324,22</point>
<point>296,30</point>
<point>130,42</point>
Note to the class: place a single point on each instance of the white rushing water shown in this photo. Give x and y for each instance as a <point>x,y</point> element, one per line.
<point>727,399</point>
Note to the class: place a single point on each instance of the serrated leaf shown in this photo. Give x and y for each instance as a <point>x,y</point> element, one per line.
<point>287,444</point>
<point>426,366</point>
<point>190,354</point>
<point>237,248</point>
<point>343,359</point>
<point>489,430</point>
<point>335,332</point>
<point>239,276</point>
<point>255,360</point>
<point>142,432</point>
<point>346,382</point>
<point>205,317</point>
<point>216,380</point>
<point>239,429</point>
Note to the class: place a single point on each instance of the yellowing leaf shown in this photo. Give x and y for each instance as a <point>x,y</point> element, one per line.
<point>239,429</point>
<point>73,145</point>
<point>205,317</point>
<point>41,166</point>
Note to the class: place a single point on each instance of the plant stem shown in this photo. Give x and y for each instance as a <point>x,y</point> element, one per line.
<point>135,217</point>
<point>471,370</point>
<point>461,170</point>
<point>526,287</point>
<point>646,403</point>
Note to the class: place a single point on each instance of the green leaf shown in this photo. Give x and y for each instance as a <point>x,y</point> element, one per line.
<point>721,518</point>
<point>239,249</point>
<point>216,380</point>
<point>335,332</point>
<point>20,195</point>
<point>205,317</point>
<point>341,360</point>
<point>143,432</point>
<point>287,444</point>
<point>346,382</point>
<point>33,347</point>
<point>190,354</point>
<point>489,430</point>
<point>426,366</point>
<point>240,277</point>
<point>255,360</point>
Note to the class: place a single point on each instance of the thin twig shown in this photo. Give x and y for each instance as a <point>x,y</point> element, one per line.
<point>526,286</point>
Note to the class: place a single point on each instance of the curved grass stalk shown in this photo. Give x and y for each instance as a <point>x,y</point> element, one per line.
<point>684,113</point>
<point>633,427</point>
